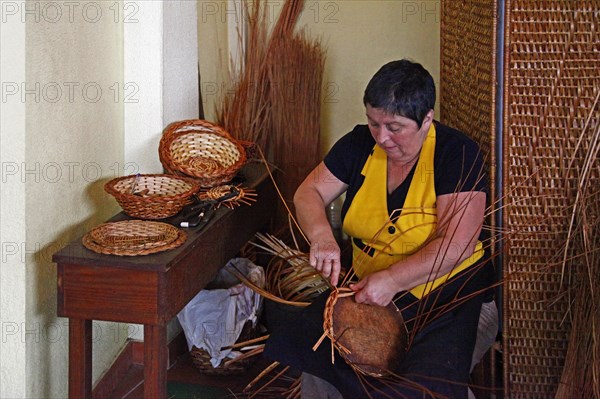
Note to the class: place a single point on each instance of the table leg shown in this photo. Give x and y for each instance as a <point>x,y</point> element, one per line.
<point>80,359</point>
<point>155,362</point>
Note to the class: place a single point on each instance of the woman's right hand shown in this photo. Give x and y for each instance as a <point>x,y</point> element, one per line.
<point>312,196</point>
<point>325,257</point>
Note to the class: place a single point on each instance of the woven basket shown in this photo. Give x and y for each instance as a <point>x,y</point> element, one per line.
<point>134,234</point>
<point>201,358</point>
<point>133,238</point>
<point>152,196</point>
<point>201,150</point>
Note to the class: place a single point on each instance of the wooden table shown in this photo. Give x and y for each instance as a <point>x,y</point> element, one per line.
<point>151,289</point>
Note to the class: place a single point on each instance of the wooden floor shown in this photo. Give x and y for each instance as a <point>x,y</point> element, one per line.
<point>184,371</point>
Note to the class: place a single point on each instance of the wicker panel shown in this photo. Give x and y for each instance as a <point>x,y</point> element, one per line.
<point>551,79</point>
<point>468,72</point>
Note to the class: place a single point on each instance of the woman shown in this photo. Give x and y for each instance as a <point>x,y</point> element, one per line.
<point>414,209</point>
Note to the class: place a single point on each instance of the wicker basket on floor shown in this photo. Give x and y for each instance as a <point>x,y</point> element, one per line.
<point>201,150</point>
<point>201,358</point>
<point>152,196</point>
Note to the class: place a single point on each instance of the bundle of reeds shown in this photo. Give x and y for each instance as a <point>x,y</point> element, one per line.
<point>295,74</point>
<point>277,97</point>
<point>245,111</point>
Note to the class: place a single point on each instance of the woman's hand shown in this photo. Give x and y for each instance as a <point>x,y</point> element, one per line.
<point>317,191</point>
<point>325,257</point>
<point>378,288</point>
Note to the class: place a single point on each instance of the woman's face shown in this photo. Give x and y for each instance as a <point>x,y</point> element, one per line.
<point>400,137</point>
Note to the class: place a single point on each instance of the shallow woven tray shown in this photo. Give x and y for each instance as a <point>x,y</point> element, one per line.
<point>201,150</point>
<point>131,234</point>
<point>152,196</point>
<point>133,238</point>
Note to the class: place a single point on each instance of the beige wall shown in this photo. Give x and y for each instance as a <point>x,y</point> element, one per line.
<point>64,97</point>
<point>70,142</point>
<point>12,211</point>
<point>360,36</point>
<point>213,52</point>
<point>81,130</point>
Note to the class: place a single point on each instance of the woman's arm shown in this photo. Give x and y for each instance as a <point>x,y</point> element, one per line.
<point>317,191</point>
<point>460,219</point>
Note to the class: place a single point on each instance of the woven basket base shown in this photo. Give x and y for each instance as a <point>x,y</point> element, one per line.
<point>376,336</point>
<point>131,229</point>
<point>134,234</point>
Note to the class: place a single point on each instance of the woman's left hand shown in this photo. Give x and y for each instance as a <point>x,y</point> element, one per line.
<point>378,288</point>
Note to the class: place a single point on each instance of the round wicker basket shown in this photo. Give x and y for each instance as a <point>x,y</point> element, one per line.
<point>201,150</point>
<point>152,196</point>
<point>201,358</point>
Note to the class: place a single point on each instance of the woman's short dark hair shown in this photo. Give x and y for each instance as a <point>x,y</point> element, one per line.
<point>402,88</point>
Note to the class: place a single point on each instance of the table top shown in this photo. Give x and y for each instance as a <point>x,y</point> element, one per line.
<point>252,175</point>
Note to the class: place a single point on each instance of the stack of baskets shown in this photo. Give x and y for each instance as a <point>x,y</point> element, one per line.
<point>195,154</point>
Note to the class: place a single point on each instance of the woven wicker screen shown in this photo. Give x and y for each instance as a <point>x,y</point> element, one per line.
<point>551,118</point>
<point>552,79</point>
<point>468,72</point>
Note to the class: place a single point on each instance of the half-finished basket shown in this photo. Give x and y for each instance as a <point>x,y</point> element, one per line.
<point>201,150</point>
<point>152,196</point>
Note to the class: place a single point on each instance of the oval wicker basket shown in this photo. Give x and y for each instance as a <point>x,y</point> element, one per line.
<point>152,196</point>
<point>133,238</point>
<point>202,150</point>
<point>134,234</point>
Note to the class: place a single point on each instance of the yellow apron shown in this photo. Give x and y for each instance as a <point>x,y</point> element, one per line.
<point>377,241</point>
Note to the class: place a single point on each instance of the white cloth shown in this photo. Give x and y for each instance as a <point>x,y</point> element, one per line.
<point>214,318</point>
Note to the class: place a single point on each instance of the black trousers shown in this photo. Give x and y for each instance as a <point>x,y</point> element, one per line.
<point>437,363</point>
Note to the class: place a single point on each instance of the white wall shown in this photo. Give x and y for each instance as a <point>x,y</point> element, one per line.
<point>65,93</point>
<point>161,61</point>
<point>12,210</point>
<point>180,61</point>
<point>161,58</point>
<point>359,36</point>
<point>74,144</point>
